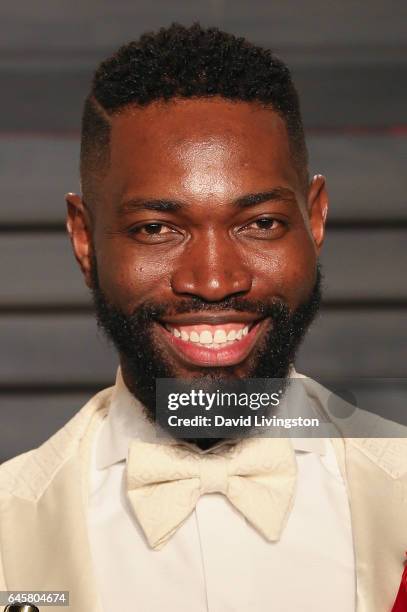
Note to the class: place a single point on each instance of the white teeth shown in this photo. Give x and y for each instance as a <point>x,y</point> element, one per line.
<point>231,335</point>
<point>205,337</point>
<point>220,336</point>
<point>216,340</point>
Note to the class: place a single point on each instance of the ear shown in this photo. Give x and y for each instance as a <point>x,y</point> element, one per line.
<point>78,225</point>
<point>318,209</point>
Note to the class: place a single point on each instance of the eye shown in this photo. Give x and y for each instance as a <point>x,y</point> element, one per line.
<point>152,232</point>
<point>265,228</point>
<point>153,229</point>
<point>265,223</point>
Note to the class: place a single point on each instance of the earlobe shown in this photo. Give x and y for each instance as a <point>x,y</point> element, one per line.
<point>318,209</point>
<point>78,225</point>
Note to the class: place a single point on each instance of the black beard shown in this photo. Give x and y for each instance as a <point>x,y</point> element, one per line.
<point>142,361</point>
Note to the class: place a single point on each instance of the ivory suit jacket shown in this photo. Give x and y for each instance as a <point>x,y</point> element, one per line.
<point>43,502</point>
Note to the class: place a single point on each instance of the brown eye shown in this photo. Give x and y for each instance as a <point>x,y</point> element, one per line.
<point>153,228</point>
<point>265,228</point>
<point>153,233</point>
<point>265,223</point>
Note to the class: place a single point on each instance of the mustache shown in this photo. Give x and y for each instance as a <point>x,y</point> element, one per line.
<point>151,310</point>
<point>154,311</point>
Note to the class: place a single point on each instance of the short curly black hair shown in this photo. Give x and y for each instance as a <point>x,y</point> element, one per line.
<point>186,62</point>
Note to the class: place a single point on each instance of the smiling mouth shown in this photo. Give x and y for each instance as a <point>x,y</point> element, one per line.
<point>209,345</point>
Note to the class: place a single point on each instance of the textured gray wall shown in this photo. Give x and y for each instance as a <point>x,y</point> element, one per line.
<point>349,62</point>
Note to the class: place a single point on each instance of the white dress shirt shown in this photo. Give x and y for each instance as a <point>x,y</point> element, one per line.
<point>216,561</point>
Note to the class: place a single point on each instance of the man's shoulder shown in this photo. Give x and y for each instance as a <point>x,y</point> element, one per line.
<point>27,475</point>
<point>382,440</point>
<point>349,417</point>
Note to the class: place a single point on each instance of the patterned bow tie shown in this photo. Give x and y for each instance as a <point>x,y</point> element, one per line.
<point>257,475</point>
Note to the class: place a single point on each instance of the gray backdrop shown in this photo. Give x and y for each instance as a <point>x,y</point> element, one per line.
<point>349,62</point>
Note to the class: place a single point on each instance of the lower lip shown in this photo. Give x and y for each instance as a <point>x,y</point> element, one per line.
<point>233,354</point>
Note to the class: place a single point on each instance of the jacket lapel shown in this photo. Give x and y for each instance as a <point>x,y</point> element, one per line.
<point>377,495</point>
<point>52,543</point>
<point>375,472</point>
<point>43,528</point>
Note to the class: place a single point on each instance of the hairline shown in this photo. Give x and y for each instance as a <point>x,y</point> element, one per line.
<point>104,135</point>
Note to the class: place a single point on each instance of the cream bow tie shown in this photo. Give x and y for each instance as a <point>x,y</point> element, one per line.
<point>257,475</point>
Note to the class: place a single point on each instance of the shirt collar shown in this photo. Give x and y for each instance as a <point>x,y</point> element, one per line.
<point>126,421</point>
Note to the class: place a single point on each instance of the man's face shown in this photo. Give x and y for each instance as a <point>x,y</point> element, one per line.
<point>202,242</point>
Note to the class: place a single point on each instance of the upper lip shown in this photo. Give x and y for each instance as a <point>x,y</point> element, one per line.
<point>196,318</point>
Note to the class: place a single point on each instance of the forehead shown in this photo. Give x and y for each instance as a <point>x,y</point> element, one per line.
<point>173,145</point>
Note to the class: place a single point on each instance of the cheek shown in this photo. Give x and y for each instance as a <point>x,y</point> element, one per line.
<point>129,278</point>
<point>287,269</point>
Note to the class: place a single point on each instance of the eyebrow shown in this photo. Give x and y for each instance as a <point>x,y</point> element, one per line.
<point>277,194</point>
<point>160,205</point>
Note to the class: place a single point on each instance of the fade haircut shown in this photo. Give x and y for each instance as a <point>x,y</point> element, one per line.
<point>185,62</point>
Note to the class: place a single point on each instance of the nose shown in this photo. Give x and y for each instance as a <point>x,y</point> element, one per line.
<point>212,269</point>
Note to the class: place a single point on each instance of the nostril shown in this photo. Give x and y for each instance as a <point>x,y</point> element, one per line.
<point>211,280</point>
